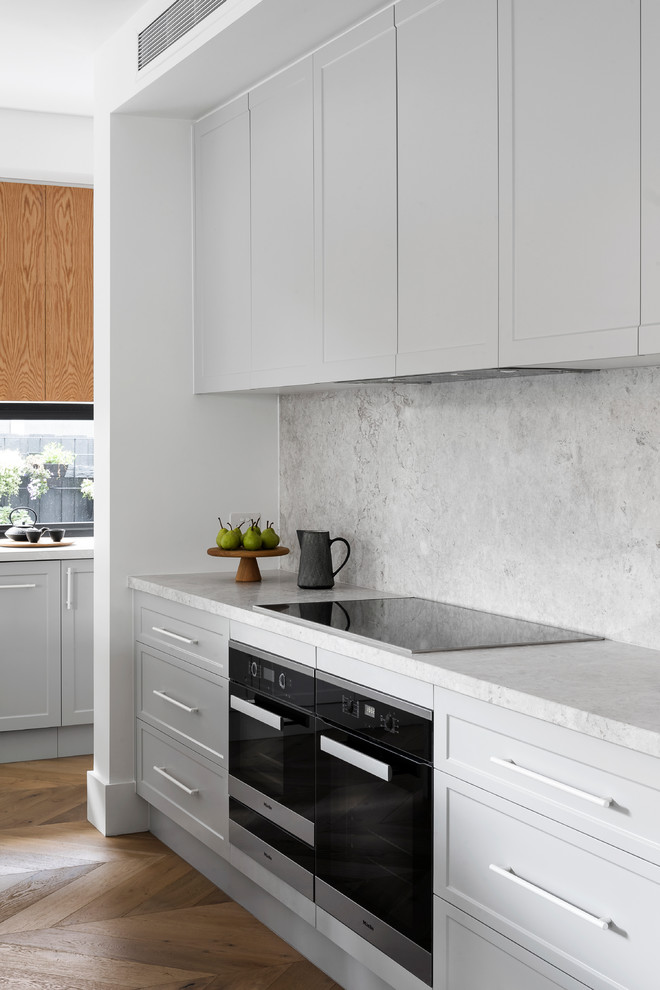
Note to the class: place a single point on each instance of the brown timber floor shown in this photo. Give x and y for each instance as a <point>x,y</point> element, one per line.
<point>82,912</point>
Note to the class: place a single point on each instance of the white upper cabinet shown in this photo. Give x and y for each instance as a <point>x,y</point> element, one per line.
<point>448,195</point>
<point>286,340</point>
<point>649,334</point>
<point>569,180</point>
<point>355,166</point>
<point>222,250</point>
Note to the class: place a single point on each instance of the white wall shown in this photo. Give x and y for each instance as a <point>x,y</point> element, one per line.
<point>46,147</point>
<point>535,497</point>
<point>167,462</point>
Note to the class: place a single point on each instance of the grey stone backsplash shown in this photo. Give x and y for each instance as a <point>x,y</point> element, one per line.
<point>534,497</point>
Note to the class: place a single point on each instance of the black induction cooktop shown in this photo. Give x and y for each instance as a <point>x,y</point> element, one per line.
<point>418,625</point>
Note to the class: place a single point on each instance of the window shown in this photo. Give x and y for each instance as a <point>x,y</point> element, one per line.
<point>48,466</point>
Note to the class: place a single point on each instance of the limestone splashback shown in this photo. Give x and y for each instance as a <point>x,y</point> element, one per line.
<point>536,497</point>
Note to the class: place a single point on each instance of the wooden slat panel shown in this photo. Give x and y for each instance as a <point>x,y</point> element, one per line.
<point>22,275</point>
<point>69,294</point>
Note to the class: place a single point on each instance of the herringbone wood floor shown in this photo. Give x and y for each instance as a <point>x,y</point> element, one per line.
<point>82,912</point>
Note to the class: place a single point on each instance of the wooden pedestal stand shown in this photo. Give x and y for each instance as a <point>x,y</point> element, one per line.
<point>248,568</point>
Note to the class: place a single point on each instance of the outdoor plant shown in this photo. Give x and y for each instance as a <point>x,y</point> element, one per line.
<point>87,488</point>
<point>55,453</point>
<point>12,468</point>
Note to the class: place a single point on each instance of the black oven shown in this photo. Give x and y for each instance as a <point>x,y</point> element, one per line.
<point>374,819</point>
<point>272,763</point>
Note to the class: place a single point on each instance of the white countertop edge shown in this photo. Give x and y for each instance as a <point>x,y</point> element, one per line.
<point>81,548</point>
<point>601,688</point>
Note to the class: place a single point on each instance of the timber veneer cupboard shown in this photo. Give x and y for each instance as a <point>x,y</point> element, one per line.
<point>46,293</point>
<point>482,192</point>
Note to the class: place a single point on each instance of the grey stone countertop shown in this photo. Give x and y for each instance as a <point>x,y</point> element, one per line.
<point>601,688</point>
<point>81,547</point>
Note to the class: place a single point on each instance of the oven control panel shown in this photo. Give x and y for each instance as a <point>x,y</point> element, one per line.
<point>274,676</point>
<point>380,718</point>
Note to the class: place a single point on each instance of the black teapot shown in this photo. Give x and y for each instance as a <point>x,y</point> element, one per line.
<point>19,532</point>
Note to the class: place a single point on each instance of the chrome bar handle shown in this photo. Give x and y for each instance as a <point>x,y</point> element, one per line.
<point>69,588</point>
<point>168,776</point>
<point>603,802</point>
<point>356,759</point>
<point>593,919</point>
<point>259,714</point>
<point>17,586</point>
<point>173,701</point>
<point>181,639</point>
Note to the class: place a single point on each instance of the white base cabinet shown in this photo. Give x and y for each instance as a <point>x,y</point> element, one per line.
<point>46,661</point>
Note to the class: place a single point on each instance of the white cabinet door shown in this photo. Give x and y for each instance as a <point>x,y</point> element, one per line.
<point>285,336</point>
<point>355,153</point>
<point>222,318</point>
<point>77,642</point>
<point>30,651</point>
<point>649,334</point>
<point>470,956</point>
<point>569,180</point>
<point>448,196</point>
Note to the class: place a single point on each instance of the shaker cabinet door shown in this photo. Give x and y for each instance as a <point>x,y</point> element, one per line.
<point>222,250</point>
<point>569,180</point>
<point>30,652</point>
<point>649,332</point>
<point>447,167</point>
<point>286,340</point>
<point>77,642</point>
<point>355,155</point>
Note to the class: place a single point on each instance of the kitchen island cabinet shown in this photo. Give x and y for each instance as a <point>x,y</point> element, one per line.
<point>447,185</point>
<point>569,180</point>
<point>46,664</point>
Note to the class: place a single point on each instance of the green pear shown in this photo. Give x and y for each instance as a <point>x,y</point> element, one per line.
<point>252,539</point>
<point>223,532</point>
<point>269,537</point>
<point>233,539</point>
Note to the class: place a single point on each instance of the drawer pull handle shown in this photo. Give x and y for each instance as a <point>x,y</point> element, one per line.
<point>17,586</point>
<point>168,776</point>
<point>603,802</point>
<point>173,701</point>
<point>356,759</point>
<point>181,639</point>
<point>593,919</point>
<point>259,714</point>
<point>69,588</point>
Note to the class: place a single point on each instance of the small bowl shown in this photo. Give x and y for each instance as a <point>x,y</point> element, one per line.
<point>56,534</point>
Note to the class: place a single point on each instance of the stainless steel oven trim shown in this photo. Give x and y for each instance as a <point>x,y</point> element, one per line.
<point>382,936</point>
<point>272,860</point>
<point>252,651</point>
<point>275,812</point>
<point>386,699</point>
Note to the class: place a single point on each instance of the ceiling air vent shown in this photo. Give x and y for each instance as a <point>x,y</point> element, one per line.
<point>172,24</point>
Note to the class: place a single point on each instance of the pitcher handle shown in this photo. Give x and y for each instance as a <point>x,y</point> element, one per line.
<point>340,539</point>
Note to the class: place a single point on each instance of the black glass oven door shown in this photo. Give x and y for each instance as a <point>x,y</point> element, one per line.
<point>271,760</point>
<point>374,844</point>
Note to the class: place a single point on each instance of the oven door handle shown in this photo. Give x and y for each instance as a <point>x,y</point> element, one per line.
<point>356,759</point>
<point>259,714</point>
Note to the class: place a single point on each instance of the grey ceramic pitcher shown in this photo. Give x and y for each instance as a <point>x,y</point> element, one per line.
<point>315,570</point>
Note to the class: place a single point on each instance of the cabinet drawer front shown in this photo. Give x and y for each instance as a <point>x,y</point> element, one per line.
<point>553,770</point>
<point>470,955</point>
<point>579,903</point>
<point>186,787</point>
<point>190,633</point>
<point>183,702</point>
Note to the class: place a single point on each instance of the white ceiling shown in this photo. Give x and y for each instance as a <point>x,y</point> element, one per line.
<point>47,50</point>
